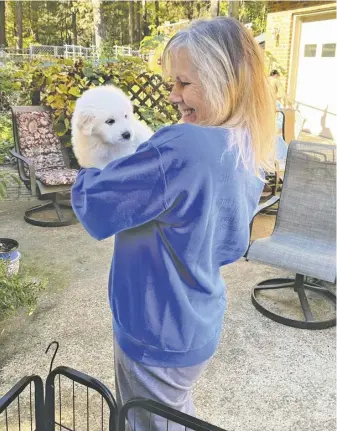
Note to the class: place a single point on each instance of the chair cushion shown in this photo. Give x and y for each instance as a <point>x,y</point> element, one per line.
<point>38,141</point>
<point>297,254</point>
<point>57,176</point>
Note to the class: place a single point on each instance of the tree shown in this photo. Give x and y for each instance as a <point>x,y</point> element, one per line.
<point>99,25</point>
<point>19,23</point>
<point>2,24</point>
<point>74,23</point>
<point>131,22</point>
<point>214,8</point>
<point>255,13</point>
<point>138,13</point>
<point>234,8</point>
<point>156,4</point>
<point>189,8</point>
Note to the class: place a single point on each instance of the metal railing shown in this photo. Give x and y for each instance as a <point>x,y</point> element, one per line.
<point>69,392</point>
<point>23,406</point>
<point>75,401</point>
<point>157,416</point>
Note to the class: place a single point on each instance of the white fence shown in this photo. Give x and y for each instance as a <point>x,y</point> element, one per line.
<point>65,51</point>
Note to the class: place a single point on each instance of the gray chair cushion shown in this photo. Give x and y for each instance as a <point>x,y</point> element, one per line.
<point>297,254</point>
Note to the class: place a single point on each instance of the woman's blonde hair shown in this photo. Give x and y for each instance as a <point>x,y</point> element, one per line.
<point>231,71</point>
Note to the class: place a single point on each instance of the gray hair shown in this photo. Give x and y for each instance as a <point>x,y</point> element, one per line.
<point>230,66</point>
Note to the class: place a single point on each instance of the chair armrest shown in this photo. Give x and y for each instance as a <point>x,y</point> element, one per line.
<point>269,203</point>
<point>31,168</point>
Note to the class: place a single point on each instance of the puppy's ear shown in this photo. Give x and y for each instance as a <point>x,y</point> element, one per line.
<point>85,122</point>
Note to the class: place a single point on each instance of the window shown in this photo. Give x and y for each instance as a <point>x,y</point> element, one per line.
<point>310,50</point>
<point>329,50</point>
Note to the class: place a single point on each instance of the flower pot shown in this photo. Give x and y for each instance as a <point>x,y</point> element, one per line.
<point>9,252</point>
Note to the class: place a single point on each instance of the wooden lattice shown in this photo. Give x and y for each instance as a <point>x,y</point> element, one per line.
<point>151,92</point>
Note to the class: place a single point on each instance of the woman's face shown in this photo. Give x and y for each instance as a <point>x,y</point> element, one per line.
<point>187,92</point>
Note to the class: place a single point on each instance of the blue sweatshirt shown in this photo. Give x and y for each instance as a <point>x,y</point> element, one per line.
<point>180,208</point>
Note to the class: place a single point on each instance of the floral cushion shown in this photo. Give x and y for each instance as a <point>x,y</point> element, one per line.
<point>56,176</point>
<point>38,141</point>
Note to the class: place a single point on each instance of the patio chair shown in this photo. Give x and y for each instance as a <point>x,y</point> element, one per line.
<point>43,166</point>
<point>303,241</point>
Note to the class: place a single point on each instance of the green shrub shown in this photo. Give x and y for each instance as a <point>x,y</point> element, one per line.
<point>10,85</point>
<point>19,290</point>
<point>61,84</point>
<point>6,136</point>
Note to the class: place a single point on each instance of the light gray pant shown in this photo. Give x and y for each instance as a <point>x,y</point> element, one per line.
<point>170,386</point>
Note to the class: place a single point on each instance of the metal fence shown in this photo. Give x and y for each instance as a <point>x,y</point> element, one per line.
<point>157,416</point>
<point>75,401</point>
<point>23,406</point>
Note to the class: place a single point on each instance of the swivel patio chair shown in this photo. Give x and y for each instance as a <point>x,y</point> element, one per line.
<point>43,166</point>
<point>303,241</point>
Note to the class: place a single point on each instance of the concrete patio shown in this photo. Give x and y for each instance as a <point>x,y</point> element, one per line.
<point>264,376</point>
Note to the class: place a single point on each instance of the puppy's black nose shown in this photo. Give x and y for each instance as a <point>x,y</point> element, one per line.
<point>126,135</point>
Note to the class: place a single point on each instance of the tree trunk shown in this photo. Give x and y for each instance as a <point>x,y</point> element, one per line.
<point>131,22</point>
<point>2,24</point>
<point>73,24</point>
<point>19,24</point>
<point>145,26</point>
<point>156,5</point>
<point>198,6</point>
<point>138,25</point>
<point>189,8</point>
<point>214,8</point>
<point>233,9</point>
<point>35,21</point>
<point>99,27</point>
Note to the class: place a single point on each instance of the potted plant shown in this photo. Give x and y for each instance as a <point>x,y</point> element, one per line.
<point>8,247</point>
<point>9,252</point>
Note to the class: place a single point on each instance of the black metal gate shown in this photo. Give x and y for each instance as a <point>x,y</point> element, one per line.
<point>74,401</point>
<point>23,406</point>
<point>156,416</point>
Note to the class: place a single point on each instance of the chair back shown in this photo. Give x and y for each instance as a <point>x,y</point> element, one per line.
<point>308,200</point>
<point>34,138</point>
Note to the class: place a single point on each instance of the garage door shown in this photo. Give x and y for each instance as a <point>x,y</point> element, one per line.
<point>316,87</point>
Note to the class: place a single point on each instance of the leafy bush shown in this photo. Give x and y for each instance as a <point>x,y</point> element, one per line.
<point>61,84</point>
<point>19,290</point>
<point>10,85</point>
<point>6,136</point>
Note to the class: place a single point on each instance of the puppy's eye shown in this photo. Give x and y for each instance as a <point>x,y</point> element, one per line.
<point>126,115</point>
<point>110,121</point>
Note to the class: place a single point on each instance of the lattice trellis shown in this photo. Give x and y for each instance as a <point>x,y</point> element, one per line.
<point>151,91</point>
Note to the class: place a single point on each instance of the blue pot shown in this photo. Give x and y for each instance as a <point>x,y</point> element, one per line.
<point>9,252</point>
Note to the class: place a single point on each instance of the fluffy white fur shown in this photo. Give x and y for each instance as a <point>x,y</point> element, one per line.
<point>104,127</point>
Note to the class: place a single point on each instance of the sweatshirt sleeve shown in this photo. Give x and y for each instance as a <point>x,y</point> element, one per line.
<point>125,194</point>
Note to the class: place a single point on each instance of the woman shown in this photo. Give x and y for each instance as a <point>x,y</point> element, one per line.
<point>180,208</point>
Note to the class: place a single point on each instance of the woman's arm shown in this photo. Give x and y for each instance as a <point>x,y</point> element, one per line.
<point>126,193</point>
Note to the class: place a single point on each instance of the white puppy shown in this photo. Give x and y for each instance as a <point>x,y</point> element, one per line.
<point>104,127</point>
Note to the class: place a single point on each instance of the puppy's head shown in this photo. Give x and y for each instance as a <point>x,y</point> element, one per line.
<point>105,112</point>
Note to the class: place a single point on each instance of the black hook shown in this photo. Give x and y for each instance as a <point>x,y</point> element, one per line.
<point>57,347</point>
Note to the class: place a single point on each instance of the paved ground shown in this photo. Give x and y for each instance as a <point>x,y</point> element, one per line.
<point>264,376</point>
